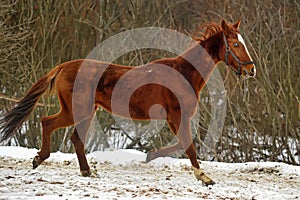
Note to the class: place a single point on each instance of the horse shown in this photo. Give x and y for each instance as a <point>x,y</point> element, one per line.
<point>221,42</point>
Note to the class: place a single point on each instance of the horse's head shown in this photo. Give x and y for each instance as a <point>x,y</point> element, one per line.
<point>235,51</point>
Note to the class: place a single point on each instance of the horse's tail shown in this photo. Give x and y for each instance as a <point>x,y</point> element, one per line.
<point>14,118</point>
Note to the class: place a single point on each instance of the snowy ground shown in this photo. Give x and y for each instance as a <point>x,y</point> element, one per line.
<point>124,175</point>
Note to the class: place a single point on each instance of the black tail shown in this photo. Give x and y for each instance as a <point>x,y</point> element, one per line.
<point>14,118</point>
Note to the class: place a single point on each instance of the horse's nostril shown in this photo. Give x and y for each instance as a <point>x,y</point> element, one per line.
<point>253,71</point>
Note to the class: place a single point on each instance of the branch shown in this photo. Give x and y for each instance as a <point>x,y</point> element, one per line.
<point>2,96</point>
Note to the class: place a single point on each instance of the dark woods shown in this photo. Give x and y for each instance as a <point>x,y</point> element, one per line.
<point>263,114</point>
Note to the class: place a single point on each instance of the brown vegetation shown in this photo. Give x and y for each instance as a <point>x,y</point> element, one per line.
<point>263,114</point>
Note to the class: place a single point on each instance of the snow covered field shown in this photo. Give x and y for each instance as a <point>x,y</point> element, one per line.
<point>123,174</point>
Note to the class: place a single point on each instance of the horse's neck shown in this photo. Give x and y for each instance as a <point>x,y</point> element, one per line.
<point>198,62</point>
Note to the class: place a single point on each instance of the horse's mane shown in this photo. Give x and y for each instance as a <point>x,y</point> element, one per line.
<point>210,29</point>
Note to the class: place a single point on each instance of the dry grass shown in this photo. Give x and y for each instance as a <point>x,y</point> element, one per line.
<point>263,114</point>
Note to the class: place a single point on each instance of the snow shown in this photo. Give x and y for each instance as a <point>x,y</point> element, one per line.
<point>123,174</point>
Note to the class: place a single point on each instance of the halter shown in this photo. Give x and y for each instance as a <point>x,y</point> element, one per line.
<point>240,63</point>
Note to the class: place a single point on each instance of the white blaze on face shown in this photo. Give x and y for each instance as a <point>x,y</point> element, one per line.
<point>240,38</point>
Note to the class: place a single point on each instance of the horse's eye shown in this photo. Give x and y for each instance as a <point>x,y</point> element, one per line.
<point>235,44</point>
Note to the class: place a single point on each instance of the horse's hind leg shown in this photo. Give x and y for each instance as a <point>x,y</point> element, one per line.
<point>78,139</point>
<point>49,124</point>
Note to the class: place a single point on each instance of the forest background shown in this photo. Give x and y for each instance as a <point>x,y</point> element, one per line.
<point>263,114</point>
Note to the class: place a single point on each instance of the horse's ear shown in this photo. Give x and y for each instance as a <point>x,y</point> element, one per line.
<point>224,26</point>
<point>237,24</point>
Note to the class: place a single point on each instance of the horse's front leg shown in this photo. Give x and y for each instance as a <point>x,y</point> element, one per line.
<point>163,151</point>
<point>184,135</point>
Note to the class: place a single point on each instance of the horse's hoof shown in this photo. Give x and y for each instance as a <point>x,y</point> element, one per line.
<point>200,175</point>
<point>150,156</point>
<point>210,182</point>
<point>36,162</point>
<point>85,173</point>
<point>89,173</point>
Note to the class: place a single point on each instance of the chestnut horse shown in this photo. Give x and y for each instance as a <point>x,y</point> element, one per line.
<point>221,42</point>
